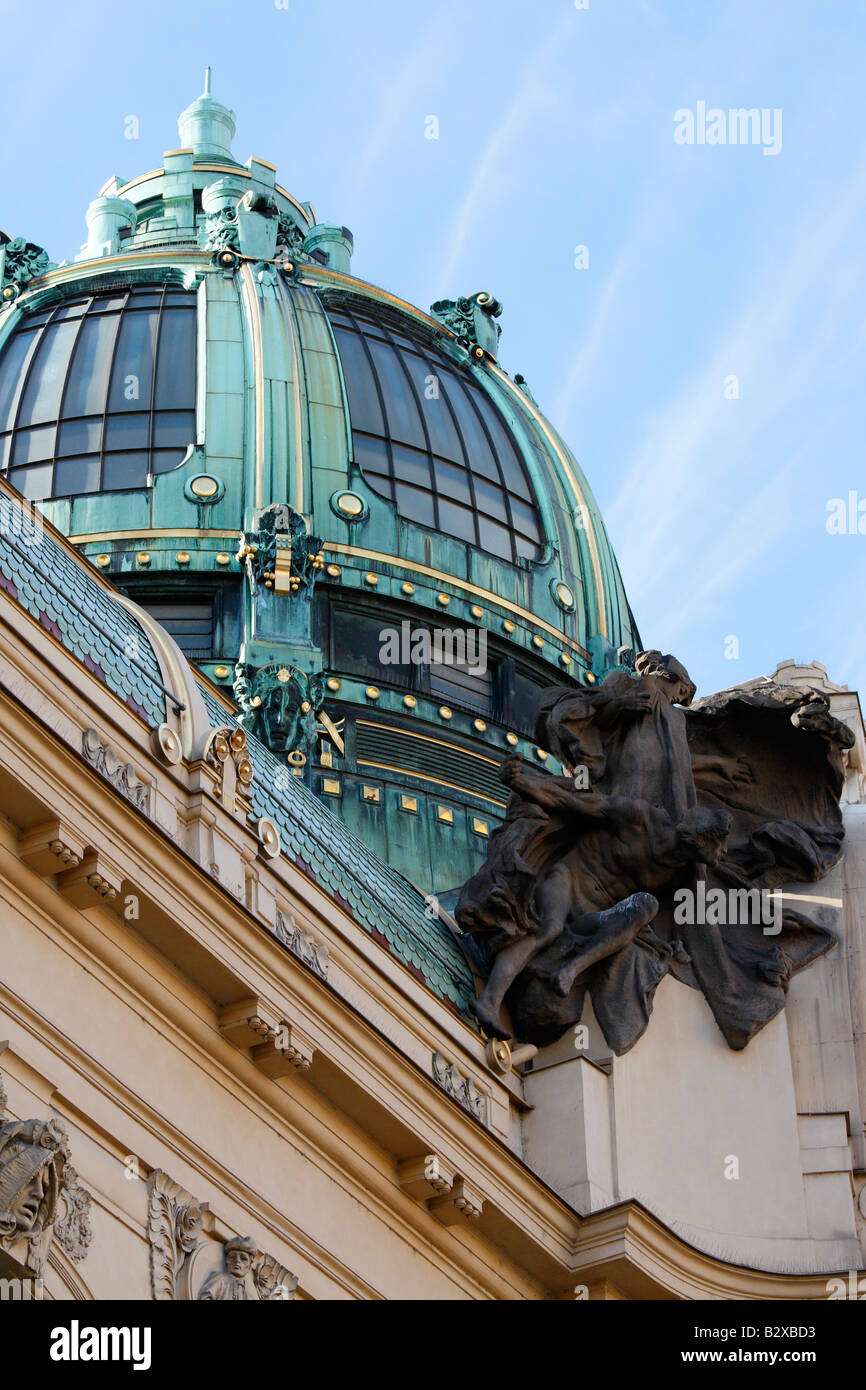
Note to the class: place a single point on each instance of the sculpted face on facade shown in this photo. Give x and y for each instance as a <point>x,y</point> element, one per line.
<point>39,1191</point>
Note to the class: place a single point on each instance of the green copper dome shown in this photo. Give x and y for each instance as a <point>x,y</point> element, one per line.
<point>306,479</point>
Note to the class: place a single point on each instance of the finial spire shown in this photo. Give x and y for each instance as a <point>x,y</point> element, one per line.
<point>206,127</point>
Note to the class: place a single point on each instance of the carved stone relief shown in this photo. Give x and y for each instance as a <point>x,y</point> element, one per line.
<point>189,1265</point>
<point>37,1185</point>
<point>121,775</point>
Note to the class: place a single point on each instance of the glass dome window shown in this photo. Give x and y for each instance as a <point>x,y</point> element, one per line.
<point>429,439</point>
<point>97,393</point>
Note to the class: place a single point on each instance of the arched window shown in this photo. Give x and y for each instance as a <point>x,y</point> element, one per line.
<point>97,393</point>
<point>428,438</point>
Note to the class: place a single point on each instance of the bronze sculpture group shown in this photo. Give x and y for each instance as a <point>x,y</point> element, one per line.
<point>657,796</point>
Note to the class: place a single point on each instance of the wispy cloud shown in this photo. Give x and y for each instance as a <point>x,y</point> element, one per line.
<point>494,171</point>
<point>398,99</point>
<point>679,474</point>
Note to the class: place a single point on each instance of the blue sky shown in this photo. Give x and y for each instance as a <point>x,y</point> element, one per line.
<point>556,130</point>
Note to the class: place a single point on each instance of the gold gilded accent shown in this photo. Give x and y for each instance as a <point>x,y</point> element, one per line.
<point>479,725</point>
<point>370,794</point>
<point>333,684</point>
<point>445,712</point>
<point>408,803</point>
<point>425,777</point>
<point>221,672</point>
<point>331,786</point>
<point>103,560</point>
<point>331,728</point>
<point>182,557</point>
<point>540,753</point>
<point>480,826</point>
<point>445,814</point>
<point>429,738</point>
<point>407,588</point>
<point>349,504</point>
<point>538,641</point>
<point>204,486</point>
<point>371,578</point>
<point>223,558</point>
<point>409,701</point>
<point>334,571</point>
<point>444,599</point>
<point>142,558</point>
<point>512,739</point>
<point>371,692</point>
<point>149,532</point>
<point>477,611</point>
<point>508,625</point>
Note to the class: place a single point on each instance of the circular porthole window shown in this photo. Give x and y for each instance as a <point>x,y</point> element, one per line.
<point>204,487</point>
<point>349,506</point>
<point>563,595</point>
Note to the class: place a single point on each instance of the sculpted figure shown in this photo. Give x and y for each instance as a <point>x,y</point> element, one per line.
<point>578,891</point>
<point>232,1283</point>
<point>597,895</point>
<point>33,1158</point>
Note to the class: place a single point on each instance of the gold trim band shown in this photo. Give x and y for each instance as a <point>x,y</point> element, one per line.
<point>87,537</point>
<point>495,600</point>
<point>437,781</point>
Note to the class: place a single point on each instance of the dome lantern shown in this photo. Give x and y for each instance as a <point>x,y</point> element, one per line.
<point>207,127</point>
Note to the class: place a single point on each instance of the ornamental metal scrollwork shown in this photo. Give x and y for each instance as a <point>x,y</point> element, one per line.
<point>20,262</point>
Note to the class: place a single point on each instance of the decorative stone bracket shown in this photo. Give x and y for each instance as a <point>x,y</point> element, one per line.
<point>432,1181</point>
<point>279,1047</point>
<point>95,880</point>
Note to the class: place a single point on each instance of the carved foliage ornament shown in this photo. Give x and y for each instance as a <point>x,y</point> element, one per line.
<point>121,775</point>
<point>460,1088</point>
<point>471,320</point>
<point>187,1265</point>
<point>20,262</point>
<point>221,230</point>
<point>303,945</point>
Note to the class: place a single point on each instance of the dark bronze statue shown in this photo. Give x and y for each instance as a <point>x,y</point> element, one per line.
<point>598,879</point>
